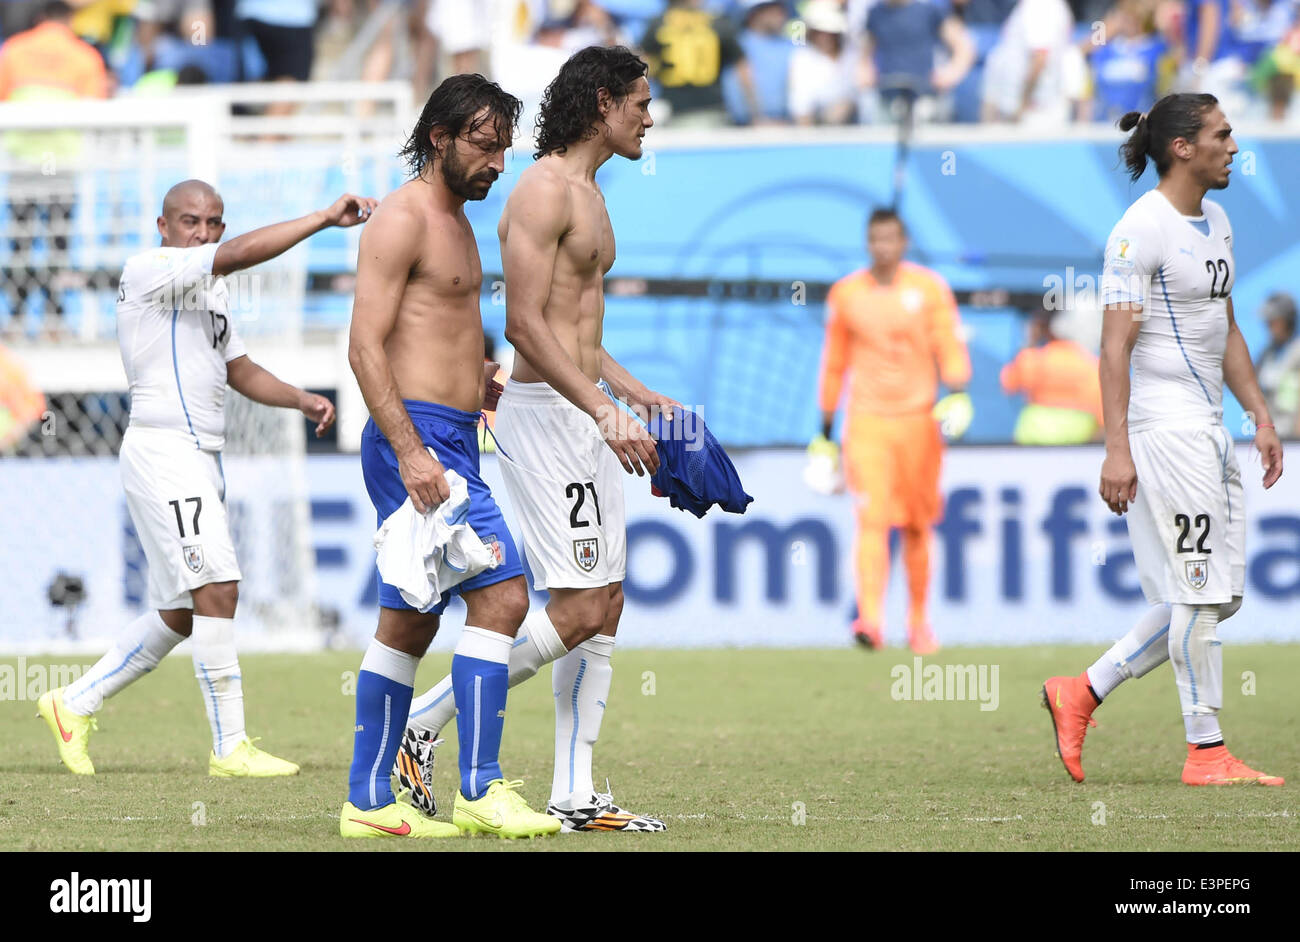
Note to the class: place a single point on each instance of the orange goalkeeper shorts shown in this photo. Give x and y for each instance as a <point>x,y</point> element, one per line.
<point>891,464</point>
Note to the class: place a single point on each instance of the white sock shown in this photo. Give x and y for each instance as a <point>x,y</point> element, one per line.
<point>217,668</point>
<point>581,681</point>
<point>135,653</point>
<point>395,665</point>
<point>1141,650</point>
<point>536,644</point>
<point>1197,657</point>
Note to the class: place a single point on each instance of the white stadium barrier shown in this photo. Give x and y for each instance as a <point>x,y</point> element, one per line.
<point>1027,554</point>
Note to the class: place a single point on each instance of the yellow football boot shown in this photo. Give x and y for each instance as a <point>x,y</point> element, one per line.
<point>501,811</point>
<point>71,731</point>
<point>247,761</point>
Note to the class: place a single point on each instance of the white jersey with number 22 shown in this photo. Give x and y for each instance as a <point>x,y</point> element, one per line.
<point>1180,270</point>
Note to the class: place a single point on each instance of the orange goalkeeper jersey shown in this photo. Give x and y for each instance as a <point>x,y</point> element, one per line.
<point>896,341</point>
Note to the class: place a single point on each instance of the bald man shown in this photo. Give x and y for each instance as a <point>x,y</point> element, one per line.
<point>180,348</point>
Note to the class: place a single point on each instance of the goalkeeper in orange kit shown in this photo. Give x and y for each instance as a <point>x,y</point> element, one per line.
<point>893,328</point>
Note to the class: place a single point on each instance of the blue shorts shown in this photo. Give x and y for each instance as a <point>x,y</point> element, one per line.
<point>453,435</point>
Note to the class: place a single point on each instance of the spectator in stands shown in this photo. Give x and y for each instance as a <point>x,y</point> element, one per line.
<point>593,25</point>
<point>526,69</point>
<point>768,48</point>
<point>1203,37</point>
<point>1278,366</point>
<point>983,20</point>
<point>903,38</point>
<point>1029,75</point>
<point>462,29</point>
<point>822,71</point>
<point>175,33</point>
<point>1126,65</point>
<point>46,63</point>
<point>687,49</point>
<point>21,403</point>
<point>1251,29</point>
<point>1277,72</point>
<point>283,31</point>
<point>1060,380</point>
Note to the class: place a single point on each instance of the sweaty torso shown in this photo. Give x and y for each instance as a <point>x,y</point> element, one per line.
<point>435,348</point>
<point>575,308</point>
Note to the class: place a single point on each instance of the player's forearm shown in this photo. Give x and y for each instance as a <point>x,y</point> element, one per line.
<point>383,400</point>
<point>622,384</point>
<point>1114,375</point>
<point>534,340</point>
<point>261,245</point>
<point>260,385</point>
<point>1239,375</point>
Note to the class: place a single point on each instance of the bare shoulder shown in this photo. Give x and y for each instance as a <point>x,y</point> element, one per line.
<point>541,199</point>
<point>394,233</point>
<point>398,213</point>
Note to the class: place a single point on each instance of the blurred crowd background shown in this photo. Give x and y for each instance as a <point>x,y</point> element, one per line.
<point>714,62</point>
<point>700,296</point>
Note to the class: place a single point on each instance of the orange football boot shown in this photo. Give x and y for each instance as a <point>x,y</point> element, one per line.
<point>922,640</point>
<point>1218,766</point>
<point>1070,703</point>
<point>870,637</point>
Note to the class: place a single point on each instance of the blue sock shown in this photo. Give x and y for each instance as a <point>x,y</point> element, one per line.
<point>480,678</point>
<point>385,685</point>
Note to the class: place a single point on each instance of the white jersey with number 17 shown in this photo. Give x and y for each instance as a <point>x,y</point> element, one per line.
<point>1180,270</point>
<point>176,336</point>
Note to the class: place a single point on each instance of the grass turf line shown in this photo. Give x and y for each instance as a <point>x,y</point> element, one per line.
<point>721,744</point>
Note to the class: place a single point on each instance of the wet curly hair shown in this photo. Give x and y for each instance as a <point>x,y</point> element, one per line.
<point>455,105</point>
<point>569,110</point>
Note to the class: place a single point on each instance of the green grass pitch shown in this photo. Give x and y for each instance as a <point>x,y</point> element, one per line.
<point>734,749</point>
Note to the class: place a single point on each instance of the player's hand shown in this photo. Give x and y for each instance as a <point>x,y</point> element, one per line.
<point>492,390</point>
<point>1119,482</point>
<point>630,442</point>
<point>954,413</point>
<point>652,404</point>
<point>424,478</point>
<point>1270,454</point>
<point>319,409</point>
<point>349,210</point>
<point>822,472</point>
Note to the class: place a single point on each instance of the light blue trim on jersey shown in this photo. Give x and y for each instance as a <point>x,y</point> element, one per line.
<point>177,371</point>
<point>1201,225</point>
<point>573,739</point>
<point>1186,359</point>
<point>216,710</point>
<point>519,640</point>
<point>1187,658</point>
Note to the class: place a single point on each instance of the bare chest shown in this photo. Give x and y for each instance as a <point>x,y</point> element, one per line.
<point>448,264</point>
<point>589,244</point>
